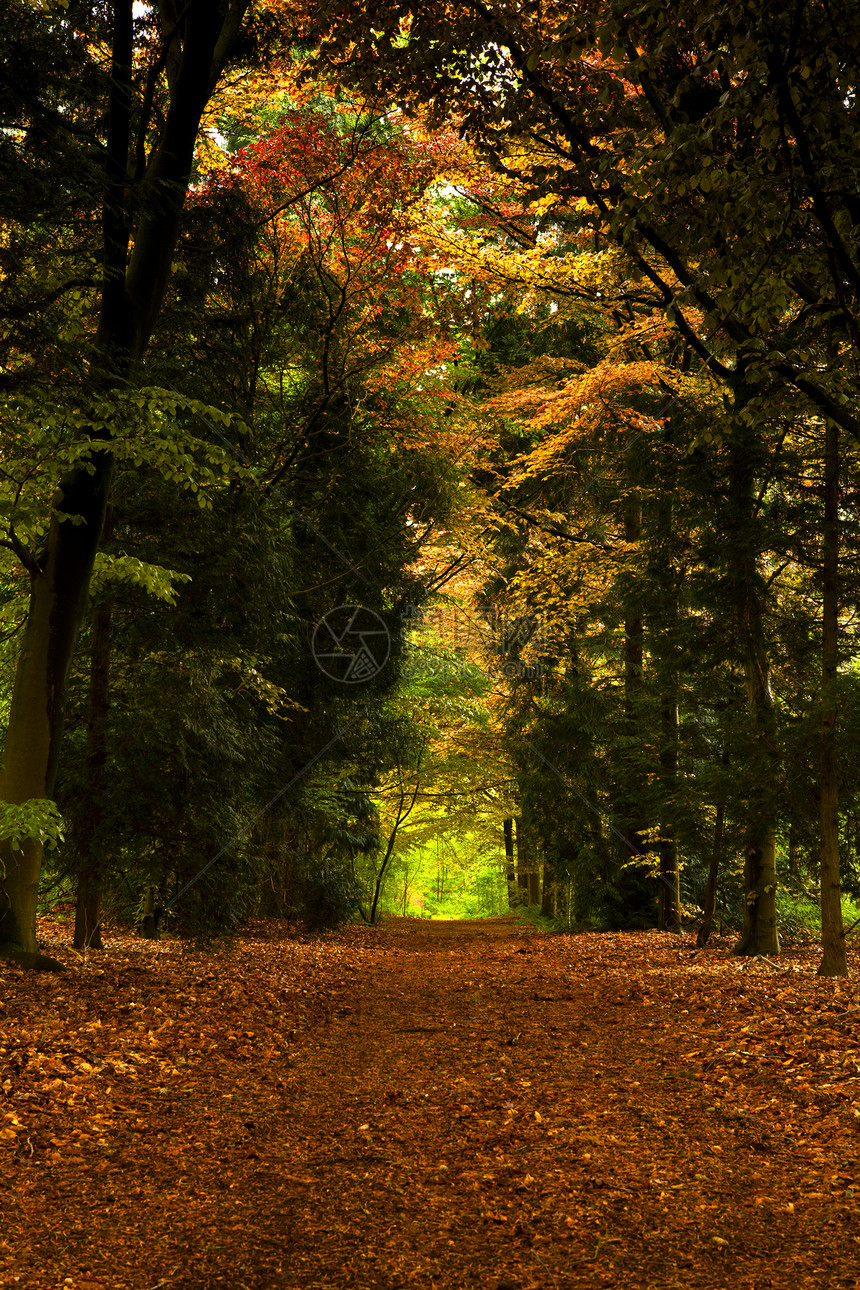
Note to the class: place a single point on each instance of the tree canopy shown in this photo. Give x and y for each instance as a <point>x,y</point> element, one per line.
<point>509,350</point>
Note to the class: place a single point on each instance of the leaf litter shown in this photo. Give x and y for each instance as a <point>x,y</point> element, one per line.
<point>428,1104</point>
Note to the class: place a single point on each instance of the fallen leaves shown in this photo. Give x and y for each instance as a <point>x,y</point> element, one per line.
<point>424,1105</point>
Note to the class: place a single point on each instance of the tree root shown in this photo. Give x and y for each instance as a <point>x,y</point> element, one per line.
<point>31,959</point>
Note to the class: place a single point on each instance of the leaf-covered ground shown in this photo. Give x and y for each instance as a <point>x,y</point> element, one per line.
<point>429,1105</point>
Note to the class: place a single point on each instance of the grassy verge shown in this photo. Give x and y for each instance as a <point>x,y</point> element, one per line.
<point>800,916</point>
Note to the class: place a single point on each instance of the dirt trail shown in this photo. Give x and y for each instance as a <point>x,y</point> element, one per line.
<point>455,1105</point>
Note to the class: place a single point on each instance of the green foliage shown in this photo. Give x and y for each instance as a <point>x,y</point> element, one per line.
<point>217,703</point>
<point>445,873</point>
<point>644,492</point>
<point>800,916</point>
<point>37,820</point>
<point>116,570</point>
<point>330,893</point>
<point>531,914</point>
<point>48,431</point>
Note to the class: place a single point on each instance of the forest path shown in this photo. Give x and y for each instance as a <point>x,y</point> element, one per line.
<point>435,1105</point>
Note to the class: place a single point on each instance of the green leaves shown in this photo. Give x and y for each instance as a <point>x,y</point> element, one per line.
<point>112,570</point>
<point>154,432</point>
<point>37,820</point>
<point>47,433</point>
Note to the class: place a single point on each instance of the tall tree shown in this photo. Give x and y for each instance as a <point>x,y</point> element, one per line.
<point>834,959</point>
<point>164,68</point>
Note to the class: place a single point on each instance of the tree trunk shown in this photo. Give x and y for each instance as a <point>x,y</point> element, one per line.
<point>710,905</point>
<point>131,298</point>
<point>89,843</point>
<point>669,895</point>
<point>88,911</point>
<point>528,864</point>
<point>534,879</point>
<point>669,884</point>
<point>547,900</point>
<point>522,864</point>
<point>834,961</point>
<point>713,873</point>
<point>759,935</point>
<point>510,863</point>
<point>793,853</point>
<point>403,813</point>
<point>58,592</point>
<point>634,641</point>
<point>440,875</point>
<point>150,921</point>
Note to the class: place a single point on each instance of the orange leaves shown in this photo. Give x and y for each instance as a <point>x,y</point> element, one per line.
<point>333,188</point>
<point>404,1140</point>
<point>595,402</point>
<point>366,172</point>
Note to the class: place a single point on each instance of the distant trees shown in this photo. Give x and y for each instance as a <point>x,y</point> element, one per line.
<point>306,336</point>
<point>714,151</point>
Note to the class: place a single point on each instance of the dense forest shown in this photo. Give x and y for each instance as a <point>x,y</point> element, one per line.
<point>429,447</point>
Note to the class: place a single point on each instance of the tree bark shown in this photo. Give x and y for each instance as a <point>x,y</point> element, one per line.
<point>834,961</point>
<point>131,298</point>
<point>57,599</point>
<point>88,910</point>
<point>669,895</point>
<point>628,880</point>
<point>510,863</point>
<point>634,653</point>
<point>88,919</point>
<point>710,906</point>
<point>547,899</point>
<point>759,934</point>
<point>707,926</point>
<point>666,644</point>
<point>150,921</point>
<point>793,853</point>
<point>522,863</point>
<point>534,879</point>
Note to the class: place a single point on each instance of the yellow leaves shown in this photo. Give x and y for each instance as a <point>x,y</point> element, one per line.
<point>209,156</point>
<point>240,96</point>
<point>541,371</point>
<point>534,270</point>
<point>545,204</point>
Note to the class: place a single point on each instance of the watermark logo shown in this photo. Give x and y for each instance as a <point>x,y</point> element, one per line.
<point>351,644</point>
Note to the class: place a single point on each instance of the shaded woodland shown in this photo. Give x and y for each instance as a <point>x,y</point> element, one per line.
<point>528,334</point>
